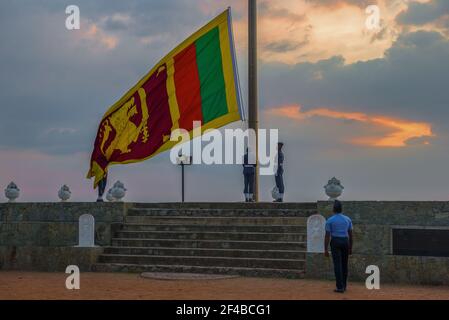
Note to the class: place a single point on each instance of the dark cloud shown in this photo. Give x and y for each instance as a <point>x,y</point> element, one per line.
<point>284,46</point>
<point>411,81</point>
<point>51,79</point>
<point>423,13</point>
<point>115,24</point>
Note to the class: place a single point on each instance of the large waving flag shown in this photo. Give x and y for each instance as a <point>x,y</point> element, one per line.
<point>197,81</point>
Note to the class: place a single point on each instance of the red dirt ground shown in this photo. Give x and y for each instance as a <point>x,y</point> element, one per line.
<point>97,286</point>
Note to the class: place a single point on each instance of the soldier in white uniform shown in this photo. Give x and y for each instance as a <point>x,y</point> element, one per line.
<point>249,172</point>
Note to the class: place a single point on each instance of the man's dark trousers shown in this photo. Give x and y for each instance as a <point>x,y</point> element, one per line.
<point>340,255</point>
<point>279,179</point>
<point>249,183</point>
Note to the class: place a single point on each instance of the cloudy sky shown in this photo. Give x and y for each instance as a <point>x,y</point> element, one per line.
<point>370,107</point>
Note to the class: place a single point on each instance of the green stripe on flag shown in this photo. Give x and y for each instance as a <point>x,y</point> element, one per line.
<point>210,69</point>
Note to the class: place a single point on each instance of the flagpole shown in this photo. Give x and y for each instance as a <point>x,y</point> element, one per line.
<point>253,120</point>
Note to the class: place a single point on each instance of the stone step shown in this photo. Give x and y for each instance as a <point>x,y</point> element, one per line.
<point>227,205</point>
<point>214,228</point>
<point>210,244</point>
<point>237,212</point>
<point>295,264</point>
<point>244,272</point>
<point>183,220</point>
<point>260,236</point>
<point>161,251</point>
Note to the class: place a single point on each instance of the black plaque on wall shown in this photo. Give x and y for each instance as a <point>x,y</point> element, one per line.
<point>421,242</point>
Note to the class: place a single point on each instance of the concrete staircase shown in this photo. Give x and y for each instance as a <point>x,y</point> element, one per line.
<point>264,240</point>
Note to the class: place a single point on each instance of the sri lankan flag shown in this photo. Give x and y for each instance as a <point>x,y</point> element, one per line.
<point>197,81</point>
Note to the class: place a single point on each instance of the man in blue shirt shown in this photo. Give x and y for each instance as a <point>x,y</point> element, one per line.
<point>339,234</point>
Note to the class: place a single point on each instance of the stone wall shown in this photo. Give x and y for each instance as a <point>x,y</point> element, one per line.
<point>373,223</point>
<point>56,224</point>
<point>393,269</point>
<point>43,236</point>
<point>47,259</point>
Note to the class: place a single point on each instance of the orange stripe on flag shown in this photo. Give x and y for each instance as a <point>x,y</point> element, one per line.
<point>188,92</point>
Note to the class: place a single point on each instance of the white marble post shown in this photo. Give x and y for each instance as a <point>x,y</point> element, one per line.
<point>86,231</point>
<point>316,225</point>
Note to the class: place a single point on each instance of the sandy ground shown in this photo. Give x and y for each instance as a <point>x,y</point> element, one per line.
<point>32,285</point>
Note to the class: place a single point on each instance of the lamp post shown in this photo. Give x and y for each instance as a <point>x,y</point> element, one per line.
<point>183,161</point>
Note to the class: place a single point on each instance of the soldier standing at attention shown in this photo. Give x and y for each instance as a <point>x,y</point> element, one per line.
<point>279,173</point>
<point>249,171</point>
<point>339,234</point>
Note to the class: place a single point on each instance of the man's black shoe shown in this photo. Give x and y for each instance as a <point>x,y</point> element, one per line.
<point>339,290</point>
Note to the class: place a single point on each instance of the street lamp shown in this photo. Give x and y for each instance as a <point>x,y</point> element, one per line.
<point>183,161</point>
